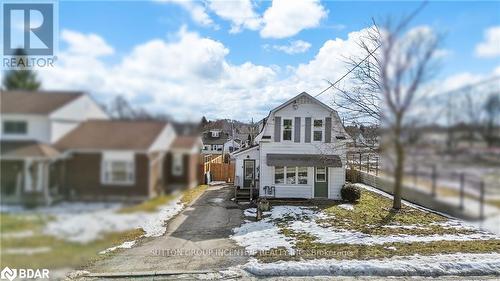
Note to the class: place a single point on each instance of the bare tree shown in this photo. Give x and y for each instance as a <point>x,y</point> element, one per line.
<point>387,79</point>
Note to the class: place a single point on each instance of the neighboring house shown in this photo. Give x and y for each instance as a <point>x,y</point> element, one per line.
<point>214,140</point>
<point>62,146</point>
<point>116,159</point>
<point>299,153</point>
<point>182,167</point>
<point>225,136</point>
<point>31,123</point>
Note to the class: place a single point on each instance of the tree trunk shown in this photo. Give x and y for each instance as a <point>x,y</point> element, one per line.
<point>399,169</point>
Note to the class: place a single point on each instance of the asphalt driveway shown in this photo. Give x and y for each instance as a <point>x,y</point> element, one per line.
<point>196,240</point>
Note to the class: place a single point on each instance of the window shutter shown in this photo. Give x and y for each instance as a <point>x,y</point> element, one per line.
<point>296,137</point>
<point>277,129</point>
<point>328,129</point>
<point>308,130</point>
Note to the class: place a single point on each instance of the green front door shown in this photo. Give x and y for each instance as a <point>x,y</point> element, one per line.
<point>320,182</point>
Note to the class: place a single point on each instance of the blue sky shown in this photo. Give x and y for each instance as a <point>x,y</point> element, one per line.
<point>123,32</point>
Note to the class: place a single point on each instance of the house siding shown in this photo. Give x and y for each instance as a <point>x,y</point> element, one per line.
<point>303,113</point>
<point>83,178</point>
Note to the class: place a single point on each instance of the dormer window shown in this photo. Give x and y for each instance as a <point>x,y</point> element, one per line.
<point>215,134</point>
<point>318,127</point>
<point>287,129</point>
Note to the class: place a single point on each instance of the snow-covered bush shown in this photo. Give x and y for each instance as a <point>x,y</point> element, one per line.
<point>350,193</point>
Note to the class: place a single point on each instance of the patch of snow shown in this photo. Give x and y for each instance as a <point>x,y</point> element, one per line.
<point>348,207</point>
<point>27,251</point>
<point>124,245</point>
<point>265,234</point>
<point>409,226</point>
<point>216,183</point>
<point>392,248</point>
<point>19,234</point>
<point>437,265</point>
<point>89,225</point>
<point>332,235</point>
<point>261,235</point>
<point>216,200</point>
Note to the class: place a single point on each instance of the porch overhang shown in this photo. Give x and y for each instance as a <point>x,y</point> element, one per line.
<point>27,149</point>
<point>304,160</point>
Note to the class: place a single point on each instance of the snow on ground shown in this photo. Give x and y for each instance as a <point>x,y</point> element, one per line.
<point>331,235</point>
<point>266,233</point>
<point>18,235</point>
<point>348,207</point>
<point>27,251</point>
<point>89,225</point>
<point>450,264</point>
<point>124,245</point>
<point>86,222</point>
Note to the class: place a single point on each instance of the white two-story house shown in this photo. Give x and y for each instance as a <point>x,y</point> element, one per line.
<point>31,122</point>
<point>300,152</point>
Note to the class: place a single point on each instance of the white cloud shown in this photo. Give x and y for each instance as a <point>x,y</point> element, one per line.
<point>89,44</point>
<point>286,18</point>
<point>240,13</point>
<point>491,46</point>
<point>197,11</point>
<point>190,76</point>
<point>294,47</point>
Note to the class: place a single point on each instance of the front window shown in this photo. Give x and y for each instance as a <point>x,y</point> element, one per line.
<point>15,127</point>
<point>177,165</point>
<point>279,175</point>
<point>302,175</point>
<point>290,175</point>
<point>118,172</point>
<point>287,129</point>
<point>318,130</point>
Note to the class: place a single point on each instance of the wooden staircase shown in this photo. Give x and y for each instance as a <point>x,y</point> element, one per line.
<point>242,195</point>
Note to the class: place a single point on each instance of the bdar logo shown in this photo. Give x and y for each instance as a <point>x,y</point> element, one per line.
<point>8,273</point>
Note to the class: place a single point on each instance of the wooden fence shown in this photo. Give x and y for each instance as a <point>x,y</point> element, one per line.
<point>222,172</point>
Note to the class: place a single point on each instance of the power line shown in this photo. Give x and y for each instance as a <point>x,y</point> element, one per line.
<point>408,19</point>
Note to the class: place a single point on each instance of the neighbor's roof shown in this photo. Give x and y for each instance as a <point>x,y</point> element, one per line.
<point>35,102</point>
<point>186,142</point>
<point>21,149</point>
<point>112,134</point>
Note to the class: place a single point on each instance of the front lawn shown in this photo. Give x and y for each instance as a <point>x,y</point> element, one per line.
<point>65,237</point>
<point>367,230</point>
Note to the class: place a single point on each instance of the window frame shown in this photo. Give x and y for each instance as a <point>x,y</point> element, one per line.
<point>286,170</point>
<point>16,123</point>
<point>177,170</point>
<point>107,169</point>
<point>318,129</point>
<point>283,129</point>
<point>316,174</point>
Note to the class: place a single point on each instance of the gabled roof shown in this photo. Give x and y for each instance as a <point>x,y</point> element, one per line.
<point>186,142</point>
<point>303,94</point>
<point>35,102</point>
<point>112,134</point>
<point>21,149</point>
